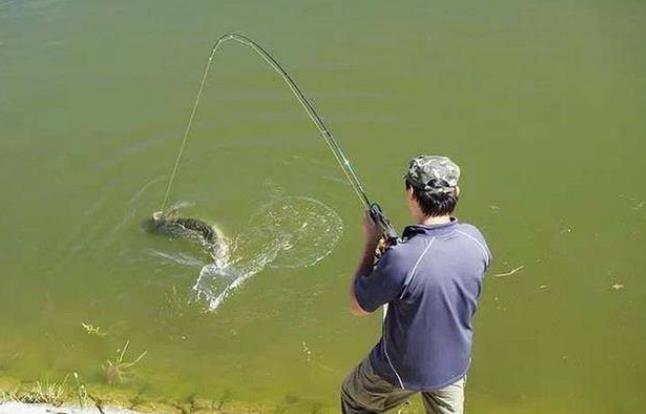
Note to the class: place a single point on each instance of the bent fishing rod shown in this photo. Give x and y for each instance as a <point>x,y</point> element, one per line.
<point>375,211</point>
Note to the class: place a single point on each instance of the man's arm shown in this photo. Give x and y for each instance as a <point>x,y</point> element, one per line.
<point>371,240</point>
<point>364,268</point>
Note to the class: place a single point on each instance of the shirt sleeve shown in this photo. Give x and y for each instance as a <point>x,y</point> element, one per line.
<point>383,284</point>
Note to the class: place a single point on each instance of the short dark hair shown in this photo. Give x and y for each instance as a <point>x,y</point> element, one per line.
<point>435,204</point>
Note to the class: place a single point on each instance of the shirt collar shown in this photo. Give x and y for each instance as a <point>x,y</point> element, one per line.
<point>431,230</point>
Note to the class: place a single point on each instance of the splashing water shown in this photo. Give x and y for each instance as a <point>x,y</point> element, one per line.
<point>289,232</point>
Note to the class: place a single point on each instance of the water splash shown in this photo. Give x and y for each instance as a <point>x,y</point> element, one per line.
<point>288,232</point>
<point>179,258</point>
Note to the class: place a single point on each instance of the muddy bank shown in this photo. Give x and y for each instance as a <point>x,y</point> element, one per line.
<point>15,407</point>
<point>33,397</point>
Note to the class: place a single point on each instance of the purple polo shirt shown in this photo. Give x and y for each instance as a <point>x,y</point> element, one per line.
<point>431,281</point>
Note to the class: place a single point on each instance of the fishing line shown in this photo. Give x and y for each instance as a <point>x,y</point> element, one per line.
<point>302,99</point>
<point>375,211</point>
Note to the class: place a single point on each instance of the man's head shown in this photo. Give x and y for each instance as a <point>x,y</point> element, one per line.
<point>432,186</point>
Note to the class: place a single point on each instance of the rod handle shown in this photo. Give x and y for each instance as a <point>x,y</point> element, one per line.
<point>379,217</point>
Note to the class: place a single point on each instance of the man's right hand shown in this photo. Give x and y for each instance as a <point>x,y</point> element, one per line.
<point>371,232</point>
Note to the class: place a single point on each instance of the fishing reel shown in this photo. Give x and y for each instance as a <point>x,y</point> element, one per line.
<point>389,235</point>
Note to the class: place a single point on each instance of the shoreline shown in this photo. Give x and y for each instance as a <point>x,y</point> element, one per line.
<point>113,407</point>
<point>17,407</point>
<point>34,397</point>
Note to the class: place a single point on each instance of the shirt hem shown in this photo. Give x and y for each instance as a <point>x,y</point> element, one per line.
<point>441,385</point>
<point>416,387</point>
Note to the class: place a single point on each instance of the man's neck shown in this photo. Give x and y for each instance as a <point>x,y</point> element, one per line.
<point>431,220</point>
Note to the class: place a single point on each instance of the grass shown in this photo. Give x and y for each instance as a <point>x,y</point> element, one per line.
<point>101,394</point>
<point>119,371</point>
<point>81,390</point>
<point>46,393</point>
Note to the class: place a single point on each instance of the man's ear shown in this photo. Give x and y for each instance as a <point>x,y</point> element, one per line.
<point>457,191</point>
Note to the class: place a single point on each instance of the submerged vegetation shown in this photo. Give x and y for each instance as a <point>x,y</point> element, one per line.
<point>42,392</point>
<point>119,371</point>
<point>93,330</point>
<point>81,391</point>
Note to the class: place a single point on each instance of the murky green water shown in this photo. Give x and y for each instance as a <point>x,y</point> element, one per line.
<point>542,103</point>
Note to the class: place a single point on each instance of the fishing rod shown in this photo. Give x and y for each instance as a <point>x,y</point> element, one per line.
<point>375,211</point>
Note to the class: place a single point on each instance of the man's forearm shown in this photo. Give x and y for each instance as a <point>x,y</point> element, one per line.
<point>367,259</point>
<point>371,237</point>
<point>365,267</point>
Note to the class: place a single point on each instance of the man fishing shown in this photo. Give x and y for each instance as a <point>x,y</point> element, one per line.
<point>431,281</point>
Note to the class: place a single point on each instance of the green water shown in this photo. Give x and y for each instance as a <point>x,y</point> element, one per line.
<point>541,103</point>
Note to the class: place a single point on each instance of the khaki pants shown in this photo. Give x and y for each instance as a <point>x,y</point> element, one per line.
<point>365,392</point>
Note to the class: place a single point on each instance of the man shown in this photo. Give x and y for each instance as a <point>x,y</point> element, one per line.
<point>431,281</point>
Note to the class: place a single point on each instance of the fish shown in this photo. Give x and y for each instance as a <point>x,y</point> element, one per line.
<point>170,224</point>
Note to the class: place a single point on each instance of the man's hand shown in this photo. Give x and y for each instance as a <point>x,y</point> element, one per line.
<point>371,233</point>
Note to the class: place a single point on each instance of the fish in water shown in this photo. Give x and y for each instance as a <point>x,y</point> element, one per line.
<point>209,237</point>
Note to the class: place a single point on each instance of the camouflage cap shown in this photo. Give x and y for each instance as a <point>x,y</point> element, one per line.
<point>433,173</point>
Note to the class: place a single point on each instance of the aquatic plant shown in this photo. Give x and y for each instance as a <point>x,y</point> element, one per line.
<point>46,393</point>
<point>118,371</point>
<point>93,330</point>
<point>81,390</point>
<point>83,395</point>
<point>7,396</point>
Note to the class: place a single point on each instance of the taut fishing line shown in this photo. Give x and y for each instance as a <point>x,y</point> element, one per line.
<point>374,209</point>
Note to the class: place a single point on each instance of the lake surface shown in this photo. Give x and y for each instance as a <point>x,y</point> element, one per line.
<point>542,104</point>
